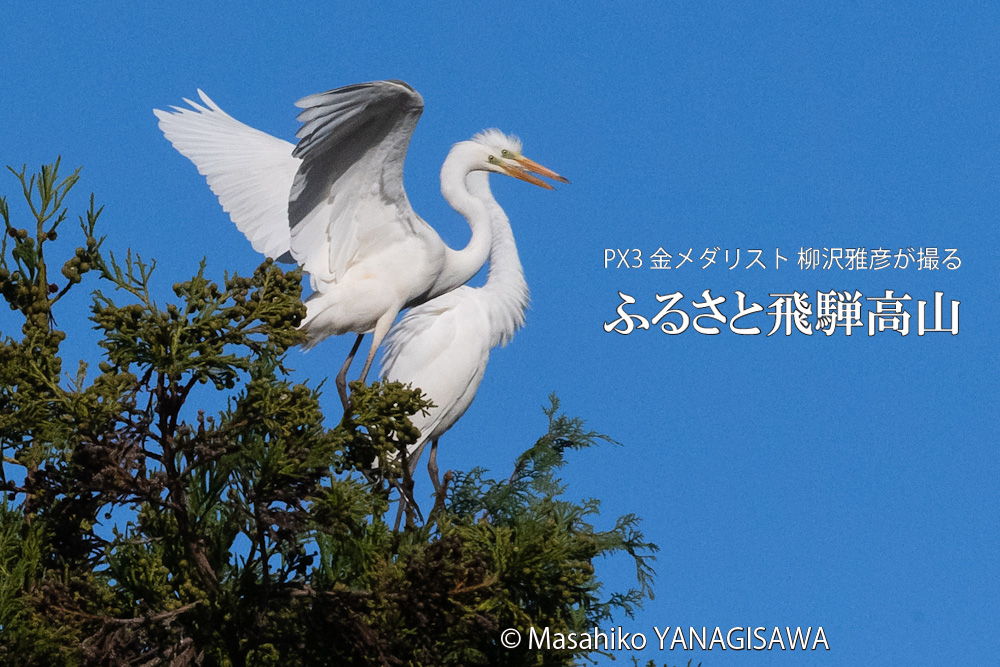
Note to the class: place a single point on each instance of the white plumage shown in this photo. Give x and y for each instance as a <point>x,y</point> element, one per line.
<point>250,171</point>
<point>443,345</point>
<point>335,203</point>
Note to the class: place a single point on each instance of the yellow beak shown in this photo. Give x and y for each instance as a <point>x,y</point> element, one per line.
<point>517,172</point>
<point>533,166</point>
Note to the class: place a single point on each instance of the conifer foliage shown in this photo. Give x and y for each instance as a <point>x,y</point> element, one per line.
<point>138,529</point>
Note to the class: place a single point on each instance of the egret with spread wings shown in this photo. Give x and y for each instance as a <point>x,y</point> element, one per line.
<point>335,203</point>
<point>443,345</point>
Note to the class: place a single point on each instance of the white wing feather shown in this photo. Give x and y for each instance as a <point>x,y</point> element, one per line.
<point>250,171</point>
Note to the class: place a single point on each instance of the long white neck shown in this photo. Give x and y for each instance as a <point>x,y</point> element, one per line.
<point>505,292</point>
<point>461,265</point>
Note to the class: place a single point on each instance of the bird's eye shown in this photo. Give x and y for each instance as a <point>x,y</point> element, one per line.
<point>505,153</point>
<point>492,159</point>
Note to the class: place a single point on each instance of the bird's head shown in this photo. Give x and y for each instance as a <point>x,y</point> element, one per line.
<point>502,154</point>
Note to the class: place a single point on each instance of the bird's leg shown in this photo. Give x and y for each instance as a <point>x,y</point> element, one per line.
<point>440,490</point>
<point>407,504</point>
<point>432,467</point>
<point>381,329</point>
<point>440,495</point>
<point>404,485</point>
<point>342,375</point>
<point>408,498</point>
<point>399,516</point>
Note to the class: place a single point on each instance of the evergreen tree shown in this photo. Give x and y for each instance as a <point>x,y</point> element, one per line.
<point>137,529</point>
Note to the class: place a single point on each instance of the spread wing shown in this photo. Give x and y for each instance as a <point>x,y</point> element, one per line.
<point>249,171</point>
<point>347,196</point>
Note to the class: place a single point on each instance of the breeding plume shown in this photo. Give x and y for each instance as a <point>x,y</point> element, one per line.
<point>335,204</point>
<point>443,345</point>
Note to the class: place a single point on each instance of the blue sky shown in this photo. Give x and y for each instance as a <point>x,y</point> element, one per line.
<point>847,482</point>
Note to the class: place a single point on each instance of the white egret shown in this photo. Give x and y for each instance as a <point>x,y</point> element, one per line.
<point>335,203</point>
<point>442,346</point>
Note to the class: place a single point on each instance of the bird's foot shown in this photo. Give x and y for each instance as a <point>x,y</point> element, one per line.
<point>440,493</point>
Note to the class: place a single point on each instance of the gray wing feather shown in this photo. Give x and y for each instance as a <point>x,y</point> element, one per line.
<point>352,144</point>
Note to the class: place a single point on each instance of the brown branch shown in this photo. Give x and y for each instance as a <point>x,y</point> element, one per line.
<point>167,410</point>
<point>485,583</point>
